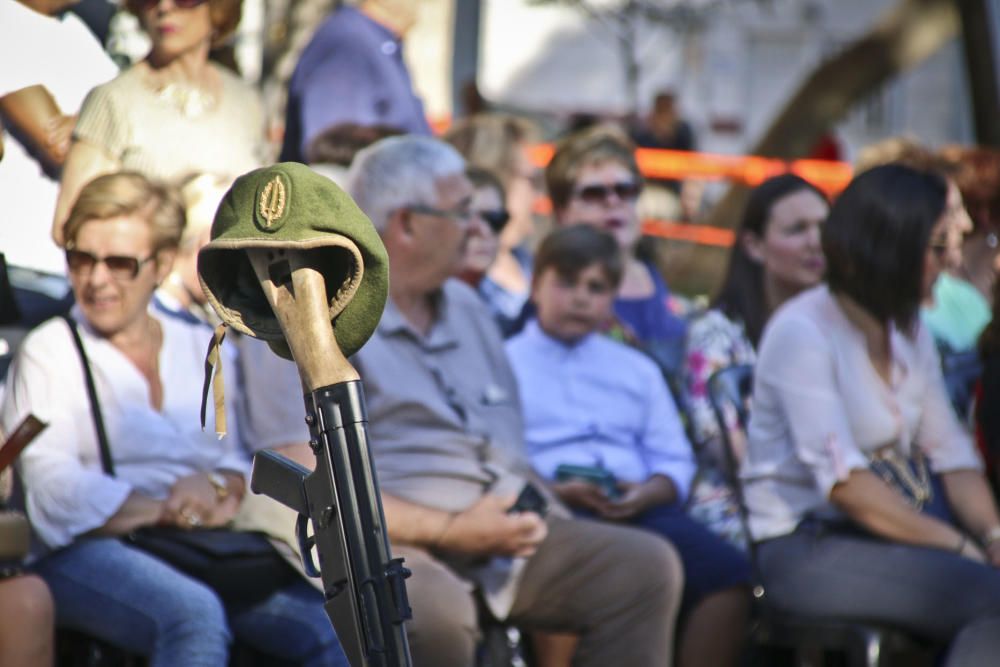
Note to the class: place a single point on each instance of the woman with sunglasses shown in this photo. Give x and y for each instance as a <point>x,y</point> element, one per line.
<point>593,179</point>
<point>121,238</point>
<point>481,250</point>
<point>172,114</point>
<point>866,495</point>
<point>499,143</point>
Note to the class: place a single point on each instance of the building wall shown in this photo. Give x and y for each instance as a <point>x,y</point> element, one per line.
<point>733,72</point>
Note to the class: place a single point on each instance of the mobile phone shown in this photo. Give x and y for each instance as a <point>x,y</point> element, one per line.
<point>530,500</point>
<point>602,478</point>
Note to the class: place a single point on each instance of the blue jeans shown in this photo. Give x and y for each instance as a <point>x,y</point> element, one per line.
<point>137,602</point>
<point>292,625</point>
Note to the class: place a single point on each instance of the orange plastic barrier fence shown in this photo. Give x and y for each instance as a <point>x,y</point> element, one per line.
<point>682,231</point>
<point>831,177</point>
<point>667,229</point>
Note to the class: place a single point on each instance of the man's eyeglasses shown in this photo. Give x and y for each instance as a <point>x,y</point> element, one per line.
<point>121,267</point>
<point>462,215</point>
<point>598,194</point>
<point>180,4</point>
<point>497,219</point>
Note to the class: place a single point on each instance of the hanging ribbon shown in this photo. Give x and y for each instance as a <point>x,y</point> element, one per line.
<point>213,368</point>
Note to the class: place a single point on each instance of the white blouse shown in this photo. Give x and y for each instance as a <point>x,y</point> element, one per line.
<point>820,408</point>
<point>66,491</point>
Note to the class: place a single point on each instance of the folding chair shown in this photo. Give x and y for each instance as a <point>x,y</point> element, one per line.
<point>501,644</point>
<point>863,644</point>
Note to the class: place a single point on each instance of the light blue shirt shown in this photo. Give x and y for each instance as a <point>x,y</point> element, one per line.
<point>599,403</point>
<point>959,314</point>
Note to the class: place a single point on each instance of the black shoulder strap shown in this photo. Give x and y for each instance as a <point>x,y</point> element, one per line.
<point>95,406</point>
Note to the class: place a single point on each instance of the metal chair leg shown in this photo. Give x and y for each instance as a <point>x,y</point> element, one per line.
<point>874,656</point>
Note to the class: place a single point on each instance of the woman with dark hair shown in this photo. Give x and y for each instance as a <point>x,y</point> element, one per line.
<point>866,496</point>
<point>777,255</point>
<point>956,311</point>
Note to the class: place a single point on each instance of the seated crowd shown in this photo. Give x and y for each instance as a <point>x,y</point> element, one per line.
<point>508,359</point>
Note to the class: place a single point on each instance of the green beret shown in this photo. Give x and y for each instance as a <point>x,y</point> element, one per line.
<point>288,205</point>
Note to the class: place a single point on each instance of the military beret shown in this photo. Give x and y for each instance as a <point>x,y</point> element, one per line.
<point>288,205</point>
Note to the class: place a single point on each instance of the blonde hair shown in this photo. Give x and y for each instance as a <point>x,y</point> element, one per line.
<point>902,149</point>
<point>491,141</point>
<point>128,193</point>
<point>201,194</point>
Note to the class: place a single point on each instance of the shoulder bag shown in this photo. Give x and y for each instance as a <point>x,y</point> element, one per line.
<point>243,568</point>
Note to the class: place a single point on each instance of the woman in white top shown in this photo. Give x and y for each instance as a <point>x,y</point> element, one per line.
<point>172,114</point>
<point>122,235</point>
<point>846,376</point>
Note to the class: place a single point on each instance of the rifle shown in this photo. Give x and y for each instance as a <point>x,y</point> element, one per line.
<point>363,585</point>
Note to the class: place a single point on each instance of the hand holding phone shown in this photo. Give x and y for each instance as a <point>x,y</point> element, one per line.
<point>602,478</point>
<point>530,500</point>
<point>496,525</point>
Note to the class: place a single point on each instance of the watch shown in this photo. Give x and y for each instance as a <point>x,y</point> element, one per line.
<point>219,483</point>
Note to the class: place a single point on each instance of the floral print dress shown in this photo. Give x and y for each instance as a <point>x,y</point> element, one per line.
<point>714,342</point>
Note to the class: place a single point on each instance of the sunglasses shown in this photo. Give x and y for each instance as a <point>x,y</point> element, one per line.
<point>461,215</point>
<point>497,219</point>
<point>180,4</point>
<point>121,267</point>
<point>598,194</point>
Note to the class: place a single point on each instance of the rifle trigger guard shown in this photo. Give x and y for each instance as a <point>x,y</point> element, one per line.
<point>306,545</point>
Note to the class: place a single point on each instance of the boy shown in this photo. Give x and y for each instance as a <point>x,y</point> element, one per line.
<point>594,179</point>
<point>594,403</point>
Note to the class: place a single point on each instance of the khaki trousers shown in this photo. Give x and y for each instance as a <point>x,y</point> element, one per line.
<point>619,588</point>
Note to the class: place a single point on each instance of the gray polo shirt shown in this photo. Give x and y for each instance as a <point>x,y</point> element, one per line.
<point>444,414</point>
<point>272,409</point>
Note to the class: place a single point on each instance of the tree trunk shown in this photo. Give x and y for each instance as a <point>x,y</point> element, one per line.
<point>908,34</point>
<point>980,63</point>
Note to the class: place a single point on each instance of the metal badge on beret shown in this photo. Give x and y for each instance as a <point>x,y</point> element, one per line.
<point>288,205</point>
<point>271,204</point>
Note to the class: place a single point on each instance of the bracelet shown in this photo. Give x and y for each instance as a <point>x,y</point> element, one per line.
<point>220,484</point>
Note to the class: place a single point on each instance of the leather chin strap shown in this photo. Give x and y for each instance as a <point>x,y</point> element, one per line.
<point>213,371</point>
